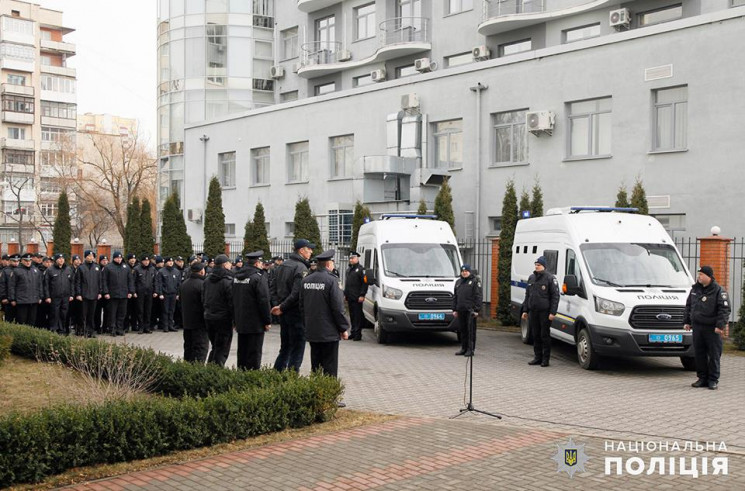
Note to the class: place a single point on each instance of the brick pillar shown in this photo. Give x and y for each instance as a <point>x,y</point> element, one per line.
<point>13,248</point>
<point>76,248</point>
<point>50,248</point>
<point>104,249</point>
<point>227,249</point>
<point>494,277</point>
<point>715,252</point>
<point>32,247</point>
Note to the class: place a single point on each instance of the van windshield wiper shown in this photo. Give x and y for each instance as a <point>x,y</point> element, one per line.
<point>393,273</point>
<point>607,282</point>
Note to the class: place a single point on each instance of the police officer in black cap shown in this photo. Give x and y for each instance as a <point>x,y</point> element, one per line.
<point>355,289</point>
<point>707,313</point>
<point>25,290</point>
<point>285,296</point>
<point>8,267</point>
<point>118,287</point>
<point>88,290</point>
<point>178,263</point>
<point>218,310</point>
<point>252,311</point>
<point>144,291</point>
<point>102,306</point>
<point>196,340</point>
<point>167,283</point>
<point>466,307</point>
<point>539,308</point>
<point>130,322</point>
<point>44,311</point>
<point>59,287</point>
<point>322,305</point>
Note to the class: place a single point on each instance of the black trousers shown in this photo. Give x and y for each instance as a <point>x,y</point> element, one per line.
<point>325,356</point>
<point>58,314</point>
<point>467,324</point>
<point>155,313</point>
<point>220,333</point>
<point>249,350</point>
<point>356,318</point>
<point>130,321</point>
<point>101,316</point>
<point>89,316</point>
<point>196,345</point>
<point>43,311</point>
<point>144,310</point>
<point>75,316</point>
<point>117,308</point>
<point>10,312</point>
<point>707,346</point>
<point>540,326</point>
<point>292,341</point>
<point>178,323</point>
<point>167,312</point>
<point>26,313</point>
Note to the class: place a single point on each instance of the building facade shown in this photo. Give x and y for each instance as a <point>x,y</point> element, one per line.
<point>38,116</point>
<point>379,101</point>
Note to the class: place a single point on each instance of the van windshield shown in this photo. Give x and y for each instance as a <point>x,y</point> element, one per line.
<point>649,265</point>
<point>420,260</point>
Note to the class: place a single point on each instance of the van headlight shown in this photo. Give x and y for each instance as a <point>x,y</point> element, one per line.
<point>392,293</point>
<point>609,307</point>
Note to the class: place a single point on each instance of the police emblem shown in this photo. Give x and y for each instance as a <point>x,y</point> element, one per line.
<point>543,287</point>
<point>703,299</point>
<point>570,458</point>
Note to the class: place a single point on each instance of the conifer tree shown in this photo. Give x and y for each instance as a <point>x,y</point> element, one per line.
<point>256,233</point>
<point>622,198</point>
<point>524,204</point>
<point>175,241</point>
<point>639,198</point>
<point>214,221</point>
<point>360,214</point>
<point>444,205</point>
<point>536,204</point>
<point>132,227</point>
<point>306,226</point>
<point>62,233</point>
<point>248,237</point>
<point>422,207</point>
<point>147,239</point>
<point>738,329</point>
<point>506,239</point>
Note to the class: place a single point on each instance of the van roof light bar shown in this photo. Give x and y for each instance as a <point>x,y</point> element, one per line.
<point>388,216</point>
<point>604,209</point>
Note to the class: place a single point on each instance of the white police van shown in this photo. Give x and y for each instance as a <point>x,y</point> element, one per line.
<point>624,284</point>
<point>411,263</point>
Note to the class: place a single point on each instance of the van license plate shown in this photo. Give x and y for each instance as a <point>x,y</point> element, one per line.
<point>432,317</point>
<point>665,338</point>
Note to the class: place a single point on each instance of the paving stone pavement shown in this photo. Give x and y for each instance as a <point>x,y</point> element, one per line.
<point>419,378</point>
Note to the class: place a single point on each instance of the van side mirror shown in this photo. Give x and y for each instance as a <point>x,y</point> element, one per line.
<point>370,278</point>
<point>571,286</point>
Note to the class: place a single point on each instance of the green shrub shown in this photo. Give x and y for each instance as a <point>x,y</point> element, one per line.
<point>5,342</point>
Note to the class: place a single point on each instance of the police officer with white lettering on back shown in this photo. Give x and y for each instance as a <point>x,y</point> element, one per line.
<point>252,311</point>
<point>322,306</point>
<point>707,313</point>
<point>539,307</point>
<point>466,307</point>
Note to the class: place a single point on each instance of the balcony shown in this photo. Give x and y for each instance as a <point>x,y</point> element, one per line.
<point>8,63</point>
<point>59,70</point>
<point>55,96</point>
<point>17,90</point>
<point>17,118</point>
<point>401,36</point>
<point>507,15</point>
<point>58,122</point>
<point>17,144</point>
<point>58,47</point>
<point>309,6</point>
<point>9,168</point>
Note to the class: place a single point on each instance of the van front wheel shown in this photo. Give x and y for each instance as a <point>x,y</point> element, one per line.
<point>380,335</point>
<point>586,355</point>
<point>525,332</point>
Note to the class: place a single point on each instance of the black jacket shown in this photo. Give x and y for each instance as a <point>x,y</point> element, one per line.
<point>144,279</point>
<point>251,301</point>
<point>542,293</point>
<point>4,275</point>
<point>167,281</point>
<point>286,286</point>
<point>192,310</point>
<point>117,280</point>
<point>355,285</point>
<point>322,305</point>
<point>217,297</point>
<point>467,294</point>
<point>88,281</point>
<point>59,282</point>
<point>25,285</point>
<point>707,306</point>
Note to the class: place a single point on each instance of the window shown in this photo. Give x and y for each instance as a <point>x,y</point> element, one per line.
<point>16,79</point>
<point>11,208</point>
<point>590,128</point>
<point>326,32</point>
<point>50,186</point>
<point>362,80</point>
<point>216,72</point>
<point>495,224</point>
<point>15,133</point>
<point>578,33</point>
<point>58,84</point>
<point>289,44</point>
<point>230,229</point>
<point>455,6</point>
<point>406,71</point>
<point>325,88</point>
<point>260,166</point>
<point>364,21</point>
<point>448,144</point>
<point>57,135</point>
<point>216,34</point>
<point>226,169</point>
<point>515,47</point>
<point>342,156</point>
<point>45,60</point>
<point>46,35</point>
<point>52,158</point>
<point>19,26</point>
<point>61,110</point>
<point>340,226</point>
<point>664,14</point>
<point>572,267</point>
<point>461,59</point>
<point>17,51</point>
<point>48,209</point>
<point>510,138</point>
<point>18,104</point>
<point>289,229</point>
<point>20,157</point>
<point>738,3</point>
<point>409,8</point>
<point>670,119</point>
<point>297,162</point>
<point>288,96</point>
<point>672,222</point>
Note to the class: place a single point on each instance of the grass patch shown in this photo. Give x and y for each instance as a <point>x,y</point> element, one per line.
<point>731,349</point>
<point>495,325</point>
<point>344,420</point>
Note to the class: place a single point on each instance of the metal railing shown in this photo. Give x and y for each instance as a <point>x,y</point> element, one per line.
<point>497,8</point>
<point>403,30</point>
<point>320,52</point>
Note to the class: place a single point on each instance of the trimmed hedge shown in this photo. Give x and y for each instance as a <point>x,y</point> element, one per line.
<point>204,405</point>
<point>6,341</point>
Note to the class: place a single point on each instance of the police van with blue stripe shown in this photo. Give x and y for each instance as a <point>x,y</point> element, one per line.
<point>624,284</point>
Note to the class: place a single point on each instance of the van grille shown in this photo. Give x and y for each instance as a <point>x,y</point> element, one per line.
<point>429,301</point>
<point>655,317</point>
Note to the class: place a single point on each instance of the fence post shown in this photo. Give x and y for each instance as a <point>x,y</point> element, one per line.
<point>715,253</point>
<point>104,249</point>
<point>50,248</point>
<point>494,277</point>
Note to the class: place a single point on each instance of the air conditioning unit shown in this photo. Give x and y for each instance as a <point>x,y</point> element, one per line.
<point>423,65</point>
<point>409,101</point>
<point>194,215</point>
<point>481,53</point>
<point>277,71</point>
<point>378,75</point>
<point>620,18</point>
<point>344,55</point>
<point>539,122</point>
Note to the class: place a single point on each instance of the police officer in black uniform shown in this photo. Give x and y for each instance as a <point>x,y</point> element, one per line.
<point>322,306</point>
<point>88,290</point>
<point>59,287</point>
<point>8,267</point>
<point>466,307</point>
<point>707,312</point>
<point>130,322</point>
<point>539,307</point>
<point>167,283</point>
<point>102,306</point>
<point>355,289</point>
<point>285,296</point>
<point>178,263</point>
<point>218,310</point>
<point>196,340</point>
<point>44,310</point>
<point>118,287</point>
<point>252,311</point>
<point>144,291</point>
<point>25,290</point>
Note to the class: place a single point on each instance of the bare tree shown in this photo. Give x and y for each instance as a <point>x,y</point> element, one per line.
<point>23,211</point>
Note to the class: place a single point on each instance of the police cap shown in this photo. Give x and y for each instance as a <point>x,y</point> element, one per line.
<point>196,267</point>
<point>354,254</point>
<point>300,243</point>
<point>102,257</point>
<point>14,257</point>
<point>144,257</point>
<point>221,259</point>
<point>326,256</point>
<point>254,256</point>
<point>57,256</point>
<point>5,257</point>
<point>27,255</point>
<point>75,257</point>
<point>239,259</point>
<point>116,254</point>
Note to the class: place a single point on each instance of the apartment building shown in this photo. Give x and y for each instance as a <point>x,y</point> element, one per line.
<point>38,116</point>
<point>379,101</point>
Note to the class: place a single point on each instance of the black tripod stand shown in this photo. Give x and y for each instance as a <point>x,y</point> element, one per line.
<point>469,406</point>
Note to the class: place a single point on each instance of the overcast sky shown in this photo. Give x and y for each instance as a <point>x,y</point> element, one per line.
<point>115,61</point>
